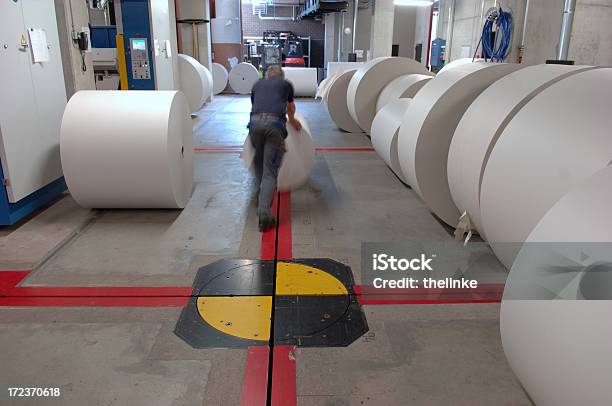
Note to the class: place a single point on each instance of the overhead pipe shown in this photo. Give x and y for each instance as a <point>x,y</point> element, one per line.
<point>566,29</point>
<point>341,44</point>
<point>521,52</point>
<point>355,11</point>
<point>293,7</point>
<point>449,31</point>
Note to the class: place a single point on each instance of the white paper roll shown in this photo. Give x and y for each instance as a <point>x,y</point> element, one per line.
<point>369,81</point>
<point>385,129</point>
<point>196,81</point>
<point>304,81</point>
<point>459,62</point>
<point>323,87</point>
<point>128,149</point>
<point>483,123</point>
<point>560,349</point>
<point>298,160</point>
<point>220,76</point>
<point>336,103</point>
<point>428,126</point>
<point>242,77</point>
<point>402,87</point>
<point>559,139</point>
<point>335,68</point>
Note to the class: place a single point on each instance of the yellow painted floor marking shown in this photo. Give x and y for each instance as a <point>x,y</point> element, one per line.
<point>300,279</point>
<point>240,316</point>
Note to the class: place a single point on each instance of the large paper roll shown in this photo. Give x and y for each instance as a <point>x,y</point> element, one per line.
<point>428,126</point>
<point>370,79</point>
<point>336,68</point>
<point>298,160</point>
<point>405,86</point>
<point>336,103</point>
<point>196,81</point>
<point>385,129</point>
<point>483,123</point>
<point>559,139</point>
<point>242,77</point>
<point>220,76</point>
<point>323,87</point>
<point>459,62</point>
<point>555,313</point>
<point>128,149</point>
<point>304,81</point>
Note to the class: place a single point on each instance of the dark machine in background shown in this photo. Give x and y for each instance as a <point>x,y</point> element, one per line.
<point>281,48</point>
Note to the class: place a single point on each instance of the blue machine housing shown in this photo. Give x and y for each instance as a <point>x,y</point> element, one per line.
<point>438,46</point>
<point>135,17</point>
<point>103,36</point>
<point>11,213</point>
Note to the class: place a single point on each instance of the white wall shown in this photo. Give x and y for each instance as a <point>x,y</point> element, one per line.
<point>364,25</point>
<point>404,24</point>
<point>74,77</point>
<point>590,38</point>
<point>421,30</point>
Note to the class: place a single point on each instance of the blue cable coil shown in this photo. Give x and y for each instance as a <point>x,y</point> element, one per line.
<point>496,44</point>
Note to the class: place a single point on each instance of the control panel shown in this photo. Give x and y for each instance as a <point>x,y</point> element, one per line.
<point>139,54</point>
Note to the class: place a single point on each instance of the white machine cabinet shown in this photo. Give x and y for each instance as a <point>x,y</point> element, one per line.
<point>32,98</point>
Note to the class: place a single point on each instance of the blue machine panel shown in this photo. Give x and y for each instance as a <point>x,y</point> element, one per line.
<point>438,46</point>
<point>138,44</point>
<point>11,213</point>
<point>103,36</point>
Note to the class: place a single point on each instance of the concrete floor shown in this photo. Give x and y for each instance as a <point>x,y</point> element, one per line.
<point>413,354</point>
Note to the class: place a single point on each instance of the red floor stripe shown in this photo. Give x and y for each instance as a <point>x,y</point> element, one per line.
<point>486,293</point>
<point>255,385</point>
<point>284,392</point>
<point>97,291</point>
<point>108,301</point>
<point>90,296</point>
<point>200,150</point>
<point>10,278</point>
<point>268,237</point>
<point>255,381</point>
<point>285,243</point>
<point>344,149</point>
<point>232,149</point>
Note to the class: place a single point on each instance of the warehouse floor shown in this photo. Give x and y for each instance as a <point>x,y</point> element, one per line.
<point>128,354</point>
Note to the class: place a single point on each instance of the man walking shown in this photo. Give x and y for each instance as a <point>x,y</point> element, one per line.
<point>272,102</point>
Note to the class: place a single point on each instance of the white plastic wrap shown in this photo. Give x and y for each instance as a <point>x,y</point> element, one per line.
<point>384,133</point>
<point>195,80</point>
<point>128,149</point>
<point>298,160</point>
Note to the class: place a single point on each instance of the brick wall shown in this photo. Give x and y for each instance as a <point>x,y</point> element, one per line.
<point>252,26</point>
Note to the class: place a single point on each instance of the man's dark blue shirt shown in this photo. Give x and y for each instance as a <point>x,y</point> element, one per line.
<point>271,96</point>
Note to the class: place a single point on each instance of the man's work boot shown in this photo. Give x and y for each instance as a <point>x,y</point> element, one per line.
<point>266,223</point>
